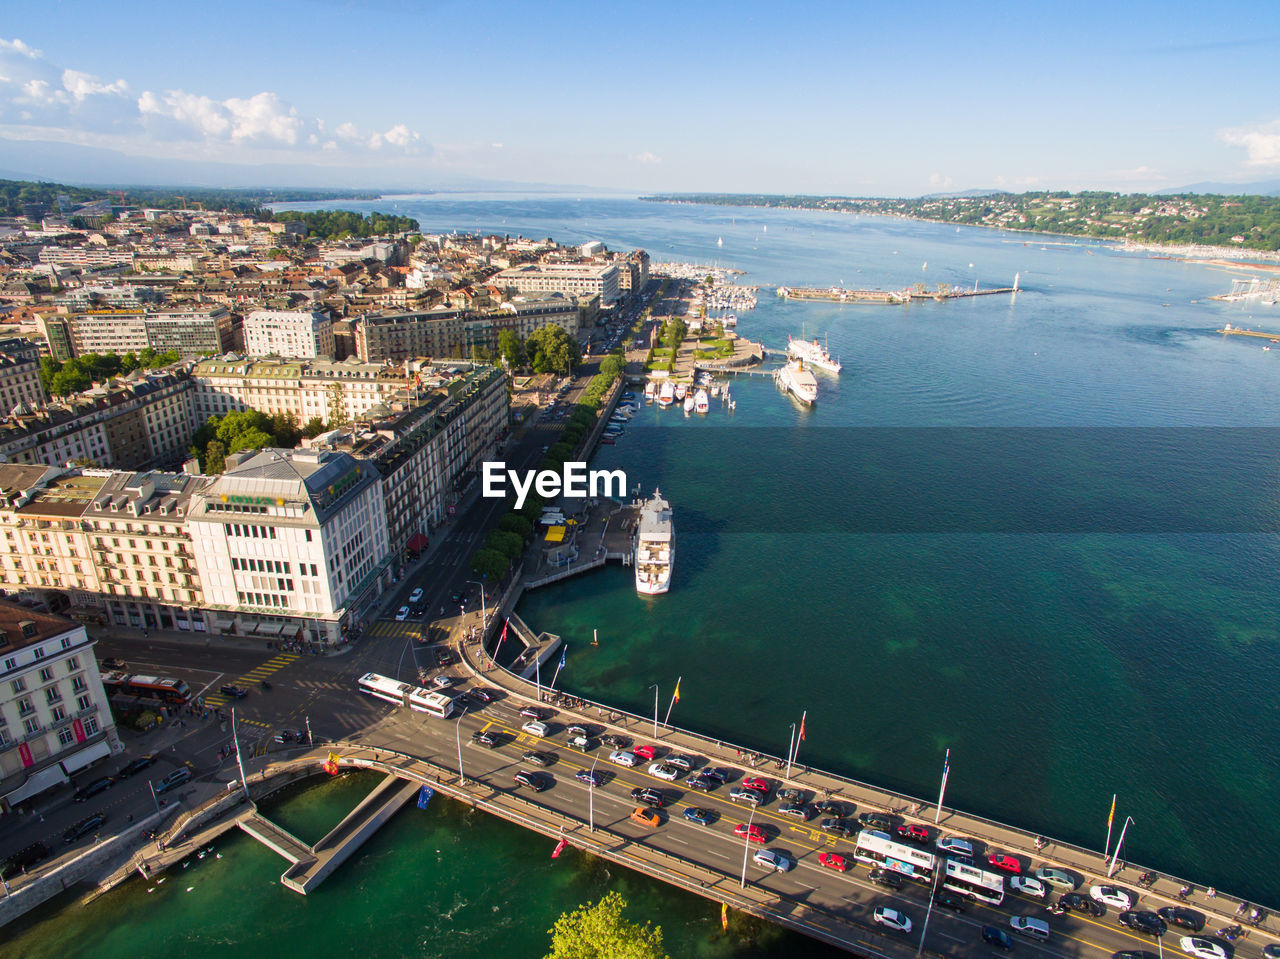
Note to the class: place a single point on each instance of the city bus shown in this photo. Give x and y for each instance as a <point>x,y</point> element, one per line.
<point>973,883</point>
<point>907,860</point>
<point>432,703</point>
<point>404,694</point>
<point>171,691</point>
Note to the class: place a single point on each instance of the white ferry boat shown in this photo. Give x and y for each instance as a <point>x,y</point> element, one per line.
<point>655,547</point>
<point>700,402</point>
<point>797,379</point>
<point>666,394</point>
<point>813,353</point>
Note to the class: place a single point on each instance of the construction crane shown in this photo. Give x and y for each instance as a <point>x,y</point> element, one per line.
<point>184,202</point>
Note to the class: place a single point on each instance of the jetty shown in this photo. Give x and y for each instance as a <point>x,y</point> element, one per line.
<point>1230,330</point>
<point>838,294</point>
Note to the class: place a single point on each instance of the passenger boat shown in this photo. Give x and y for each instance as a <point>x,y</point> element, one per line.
<point>700,402</point>
<point>655,547</point>
<point>666,394</point>
<point>813,353</point>
<point>797,380</point>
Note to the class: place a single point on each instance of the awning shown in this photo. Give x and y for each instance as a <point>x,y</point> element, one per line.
<point>37,783</point>
<point>418,541</point>
<point>87,755</point>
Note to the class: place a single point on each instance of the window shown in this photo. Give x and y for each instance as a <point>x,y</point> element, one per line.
<point>66,643</point>
<point>73,663</point>
<point>46,675</point>
<point>65,736</point>
<point>53,695</point>
<point>31,726</point>
<point>39,652</point>
<point>24,707</point>
<point>19,685</point>
<point>84,702</point>
<point>59,714</point>
<point>91,726</point>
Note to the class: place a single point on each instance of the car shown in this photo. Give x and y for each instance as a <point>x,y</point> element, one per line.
<point>701,783</point>
<point>1005,863</point>
<point>994,936</point>
<point>1202,948</point>
<point>718,774</point>
<point>480,694</point>
<point>580,742</point>
<point>536,758</point>
<point>749,831</point>
<point>914,833</point>
<point>950,900</point>
<point>954,844</point>
<point>615,742</point>
<point>284,737</point>
<point>111,662</point>
<point>831,807</point>
<point>1058,878</point>
<point>1271,951</point>
<point>532,712</point>
<point>886,877</point>
<point>402,614</point>
<point>650,797</point>
<point>590,777</point>
<point>443,682</point>
<point>136,766</point>
<point>646,817</point>
<point>84,827</point>
<point>485,739</point>
<point>443,657</point>
<point>645,752</point>
<point>875,820</point>
<point>683,763</point>
<point>742,794</point>
<point>535,781</point>
<point>173,780</point>
<point>892,919</point>
<point>1029,886</point>
<point>1147,923</point>
<point>576,730</point>
<point>232,690</point>
<point>23,859</point>
<point>1182,916</point>
<point>703,817</point>
<point>832,860</point>
<point>1030,927</point>
<point>535,727</point>
<point>837,826</point>
<point>620,757</point>
<point>772,859</point>
<point>757,784</point>
<point>457,596</point>
<point>417,611</point>
<point>416,595</point>
<point>1078,903</point>
<point>791,795</point>
<point>1112,896</point>
<point>797,810</point>
<point>664,772</point>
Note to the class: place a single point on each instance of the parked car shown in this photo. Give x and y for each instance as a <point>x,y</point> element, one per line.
<point>832,860</point>
<point>535,781</point>
<point>994,936</point>
<point>875,820</point>
<point>892,919</point>
<point>532,712</point>
<point>772,859</point>
<point>1182,916</point>
<point>135,766</point>
<point>756,783</point>
<point>650,797</point>
<point>1147,923</point>
<point>831,807</point>
<point>703,817</point>
<point>791,795</point>
<point>84,827</point>
<point>1112,896</point>
<point>232,690</point>
<point>1005,863</point>
<point>23,859</point>
<point>886,877</point>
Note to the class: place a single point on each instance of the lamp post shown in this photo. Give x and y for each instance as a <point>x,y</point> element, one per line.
<point>791,746</point>
<point>462,779</point>
<point>746,848</point>
<point>940,865</point>
<point>591,794</point>
<point>654,687</point>
<point>484,608</point>
<point>946,771</point>
<point>1115,857</point>
<point>239,758</point>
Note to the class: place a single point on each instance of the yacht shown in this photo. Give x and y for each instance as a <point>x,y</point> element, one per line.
<point>649,389</point>
<point>666,394</point>
<point>681,389</point>
<point>797,379</point>
<point>688,403</point>
<point>813,353</point>
<point>700,401</point>
<point>655,547</point>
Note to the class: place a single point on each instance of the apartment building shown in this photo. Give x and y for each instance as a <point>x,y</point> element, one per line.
<point>395,337</point>
<point>20,374</point>
<point>302,334</point>
<point>569,279</point>
<point>192,331</point>
<point>335,392</point>
<point>54,717</point>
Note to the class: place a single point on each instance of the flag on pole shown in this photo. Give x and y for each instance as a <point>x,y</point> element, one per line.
<point>724,916</point>
<point>802,719</point>
<point>503,637</point>
<point>1111,815</point>
<point>564,651</point>
<point>559,848</point>
<point>676,698</point>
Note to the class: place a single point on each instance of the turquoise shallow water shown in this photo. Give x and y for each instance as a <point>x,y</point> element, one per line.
<point>1017,529</point>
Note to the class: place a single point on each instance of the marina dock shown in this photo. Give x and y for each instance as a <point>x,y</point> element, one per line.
<point>1228,330</point>
<point>836,294</point>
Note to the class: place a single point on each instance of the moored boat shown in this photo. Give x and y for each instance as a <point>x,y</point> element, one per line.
<point>796,379</point>
<point>655,547</point>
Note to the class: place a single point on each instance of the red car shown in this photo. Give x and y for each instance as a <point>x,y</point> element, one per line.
<point>832,861</point>
<point>645,752</point>
<point>752,832</point>
<point>914,833</point>
<point>756,783</point>
<point>1005,863</point>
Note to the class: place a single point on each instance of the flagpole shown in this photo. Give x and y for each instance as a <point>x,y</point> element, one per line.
<point>1110,819</point>
<point>790,747</point>
<point>537,669</point>
<point>799,739</point>
<point>1119,842</point>
<point>946,771</point>
<point>564,651</point>
<point>667,721</point>
<point>655,710</point>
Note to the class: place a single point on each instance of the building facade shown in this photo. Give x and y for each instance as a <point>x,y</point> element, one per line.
<point>335,392</point>
<point>569,279</point>
<point>20,374</point>
<point>395,337</point>
<point>300,334</point>
<point>193,331</point>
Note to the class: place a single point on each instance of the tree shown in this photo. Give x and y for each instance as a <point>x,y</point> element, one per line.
<point>69,380</point>
<point>612,366</point>
<point>215,458</point>
<point>490,563</point>
<point>515,523</point>
<point>602,932</point>
<point>337,406</point>
<point>253,439</point>
<point>510,349</point>
<point>552,350</point>
<point>313,427</point>
<point>510,545</point>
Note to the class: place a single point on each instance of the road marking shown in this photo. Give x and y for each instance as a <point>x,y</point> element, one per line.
<point>952,938</point>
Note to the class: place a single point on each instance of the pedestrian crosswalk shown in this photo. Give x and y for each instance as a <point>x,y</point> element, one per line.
<point>421,632</point>
<point>252,678</point>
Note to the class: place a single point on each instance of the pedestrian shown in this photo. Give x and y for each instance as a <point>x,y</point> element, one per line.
<point>1211,893</point>
<point>1241,911</point>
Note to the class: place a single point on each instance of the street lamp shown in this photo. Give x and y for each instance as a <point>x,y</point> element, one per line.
<point>1115,857</point>
<point>457,727</point>
<point>484,609</point>
<point>591,794</point>
<point>746,847</point>
<point>654,687</point>
<point>933,894</point>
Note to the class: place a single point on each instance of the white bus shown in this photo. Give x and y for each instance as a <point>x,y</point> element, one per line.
<point>973,883</point>
<point>907,860</point>
<point>404,694</point>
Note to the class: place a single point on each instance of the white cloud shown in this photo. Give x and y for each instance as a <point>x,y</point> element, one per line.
<point>647,158</point>
<point>398,136</point>
<point>347,131</point>
<point>938,180</point>
<point>82,85</point>
<point>1262,143</point>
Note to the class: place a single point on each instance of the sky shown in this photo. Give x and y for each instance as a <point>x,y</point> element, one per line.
<point>855,98</point>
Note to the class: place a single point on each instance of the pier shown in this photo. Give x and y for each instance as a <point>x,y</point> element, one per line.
<point>1229,330</point>
<point>837,294</point>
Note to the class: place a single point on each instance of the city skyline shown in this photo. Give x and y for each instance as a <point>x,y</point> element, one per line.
<point>728,98</point>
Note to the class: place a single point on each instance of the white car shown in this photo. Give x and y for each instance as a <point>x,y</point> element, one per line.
<point>891,919</point>
<point>1028,886</point>
<point>621,757</point>
<point>1202,948</point>
<point>955,845</point>
<point>664,771</point>
<point>771,859</point>
<point>680,762</point>
<point>402,614</point>
<point>535,727</point>
<point>1112,896</point>
<point>416,595</point>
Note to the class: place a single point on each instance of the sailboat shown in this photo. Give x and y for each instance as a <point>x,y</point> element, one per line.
<point>720,241</point>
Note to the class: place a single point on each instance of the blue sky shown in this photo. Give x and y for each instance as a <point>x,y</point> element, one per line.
<point>855,98</point>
